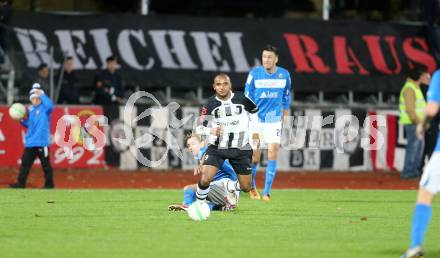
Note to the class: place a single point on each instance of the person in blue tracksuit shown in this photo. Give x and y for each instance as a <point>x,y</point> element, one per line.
<point>37,139</point>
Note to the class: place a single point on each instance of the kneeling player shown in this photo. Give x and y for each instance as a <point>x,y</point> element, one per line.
<point>218,198</point>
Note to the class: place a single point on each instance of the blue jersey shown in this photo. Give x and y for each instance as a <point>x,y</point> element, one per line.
<point>433,95</point>
<point>38,124</point>
<point>226,171</point>
<point>270,92</point>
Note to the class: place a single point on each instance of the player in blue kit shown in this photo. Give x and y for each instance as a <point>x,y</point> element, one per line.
<point>219,198</point>
<point>268,86</point>
<point>430,181</point>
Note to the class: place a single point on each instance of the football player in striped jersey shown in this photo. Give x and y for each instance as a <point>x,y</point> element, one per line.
<point>226,120</point>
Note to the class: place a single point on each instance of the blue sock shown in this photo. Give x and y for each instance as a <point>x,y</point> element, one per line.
<point>254,173</point>
<point>271,170</point>
<point>189,196</point>
<point>422,216</point>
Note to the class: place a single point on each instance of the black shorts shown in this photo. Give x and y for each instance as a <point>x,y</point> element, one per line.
<point>241,160</point>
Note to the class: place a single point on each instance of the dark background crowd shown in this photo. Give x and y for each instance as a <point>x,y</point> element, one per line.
<point>109,85</point>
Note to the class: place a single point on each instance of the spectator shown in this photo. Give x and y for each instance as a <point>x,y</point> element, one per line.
<point>108,84</point>
<point>43,77</point>
<point>412,107</point>
<point>69,92</point>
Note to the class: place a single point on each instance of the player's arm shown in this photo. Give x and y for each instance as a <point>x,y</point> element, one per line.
<point>249,87</point>
<point>198,168</point>
<point>432,107</point>
<point>430,112</point>
<point>285,114</point>
<point>287,98</point>
<point>47,103</point>
<point>25,121</point>
<point>252,109</point>
<point>203,127</point>
<point>249,92</point>
<point>410,105</point>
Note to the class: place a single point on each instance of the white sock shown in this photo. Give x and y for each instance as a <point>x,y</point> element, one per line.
<point>201,194</point>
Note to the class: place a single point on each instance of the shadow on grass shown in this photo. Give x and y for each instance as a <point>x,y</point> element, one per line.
<point>397,253</point>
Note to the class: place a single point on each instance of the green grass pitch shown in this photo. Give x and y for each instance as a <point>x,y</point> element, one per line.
<point>136,223</point>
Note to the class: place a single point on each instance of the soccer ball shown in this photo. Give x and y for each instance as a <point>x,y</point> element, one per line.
<point>17,111</point>
<point>199,211</point>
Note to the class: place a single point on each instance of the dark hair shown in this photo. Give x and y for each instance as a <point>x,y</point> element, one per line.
<point>188,136</point>
<point>224,75</point>
<point>271,48</point>
<point>69,58</point>
<point>42,66</point>
<point>110,59</point>
<point>415,72</point>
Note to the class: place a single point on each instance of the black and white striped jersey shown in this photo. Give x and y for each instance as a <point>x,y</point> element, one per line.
<point>233,115</point>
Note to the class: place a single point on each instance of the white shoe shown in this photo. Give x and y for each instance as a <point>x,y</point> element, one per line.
<point>415,252</point>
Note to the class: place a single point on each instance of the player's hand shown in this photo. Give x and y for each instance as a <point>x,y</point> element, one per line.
<point>420,131</point>
<point>256,140</point>
<point>198,170</point>
<point>284,117</point>
<point>25,117</point>
<point>217,131</point>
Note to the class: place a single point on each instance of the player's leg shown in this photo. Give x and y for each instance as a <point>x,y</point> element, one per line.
<point>256,157</point>
<point>271,169</point>
<point>273,139</point>
<point>420,223</point>
<point>43,155</point>
<point>218,197</point>
<point>429,187</point>
<point>213,160</point>
<point>208,173</point>
<point>189,196</point>
<point>221,197</point>
<point>244,183</point>
<point>255,160</point>
<point>27,159</point>
<point>231,199</point>
<point>241,163</point>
